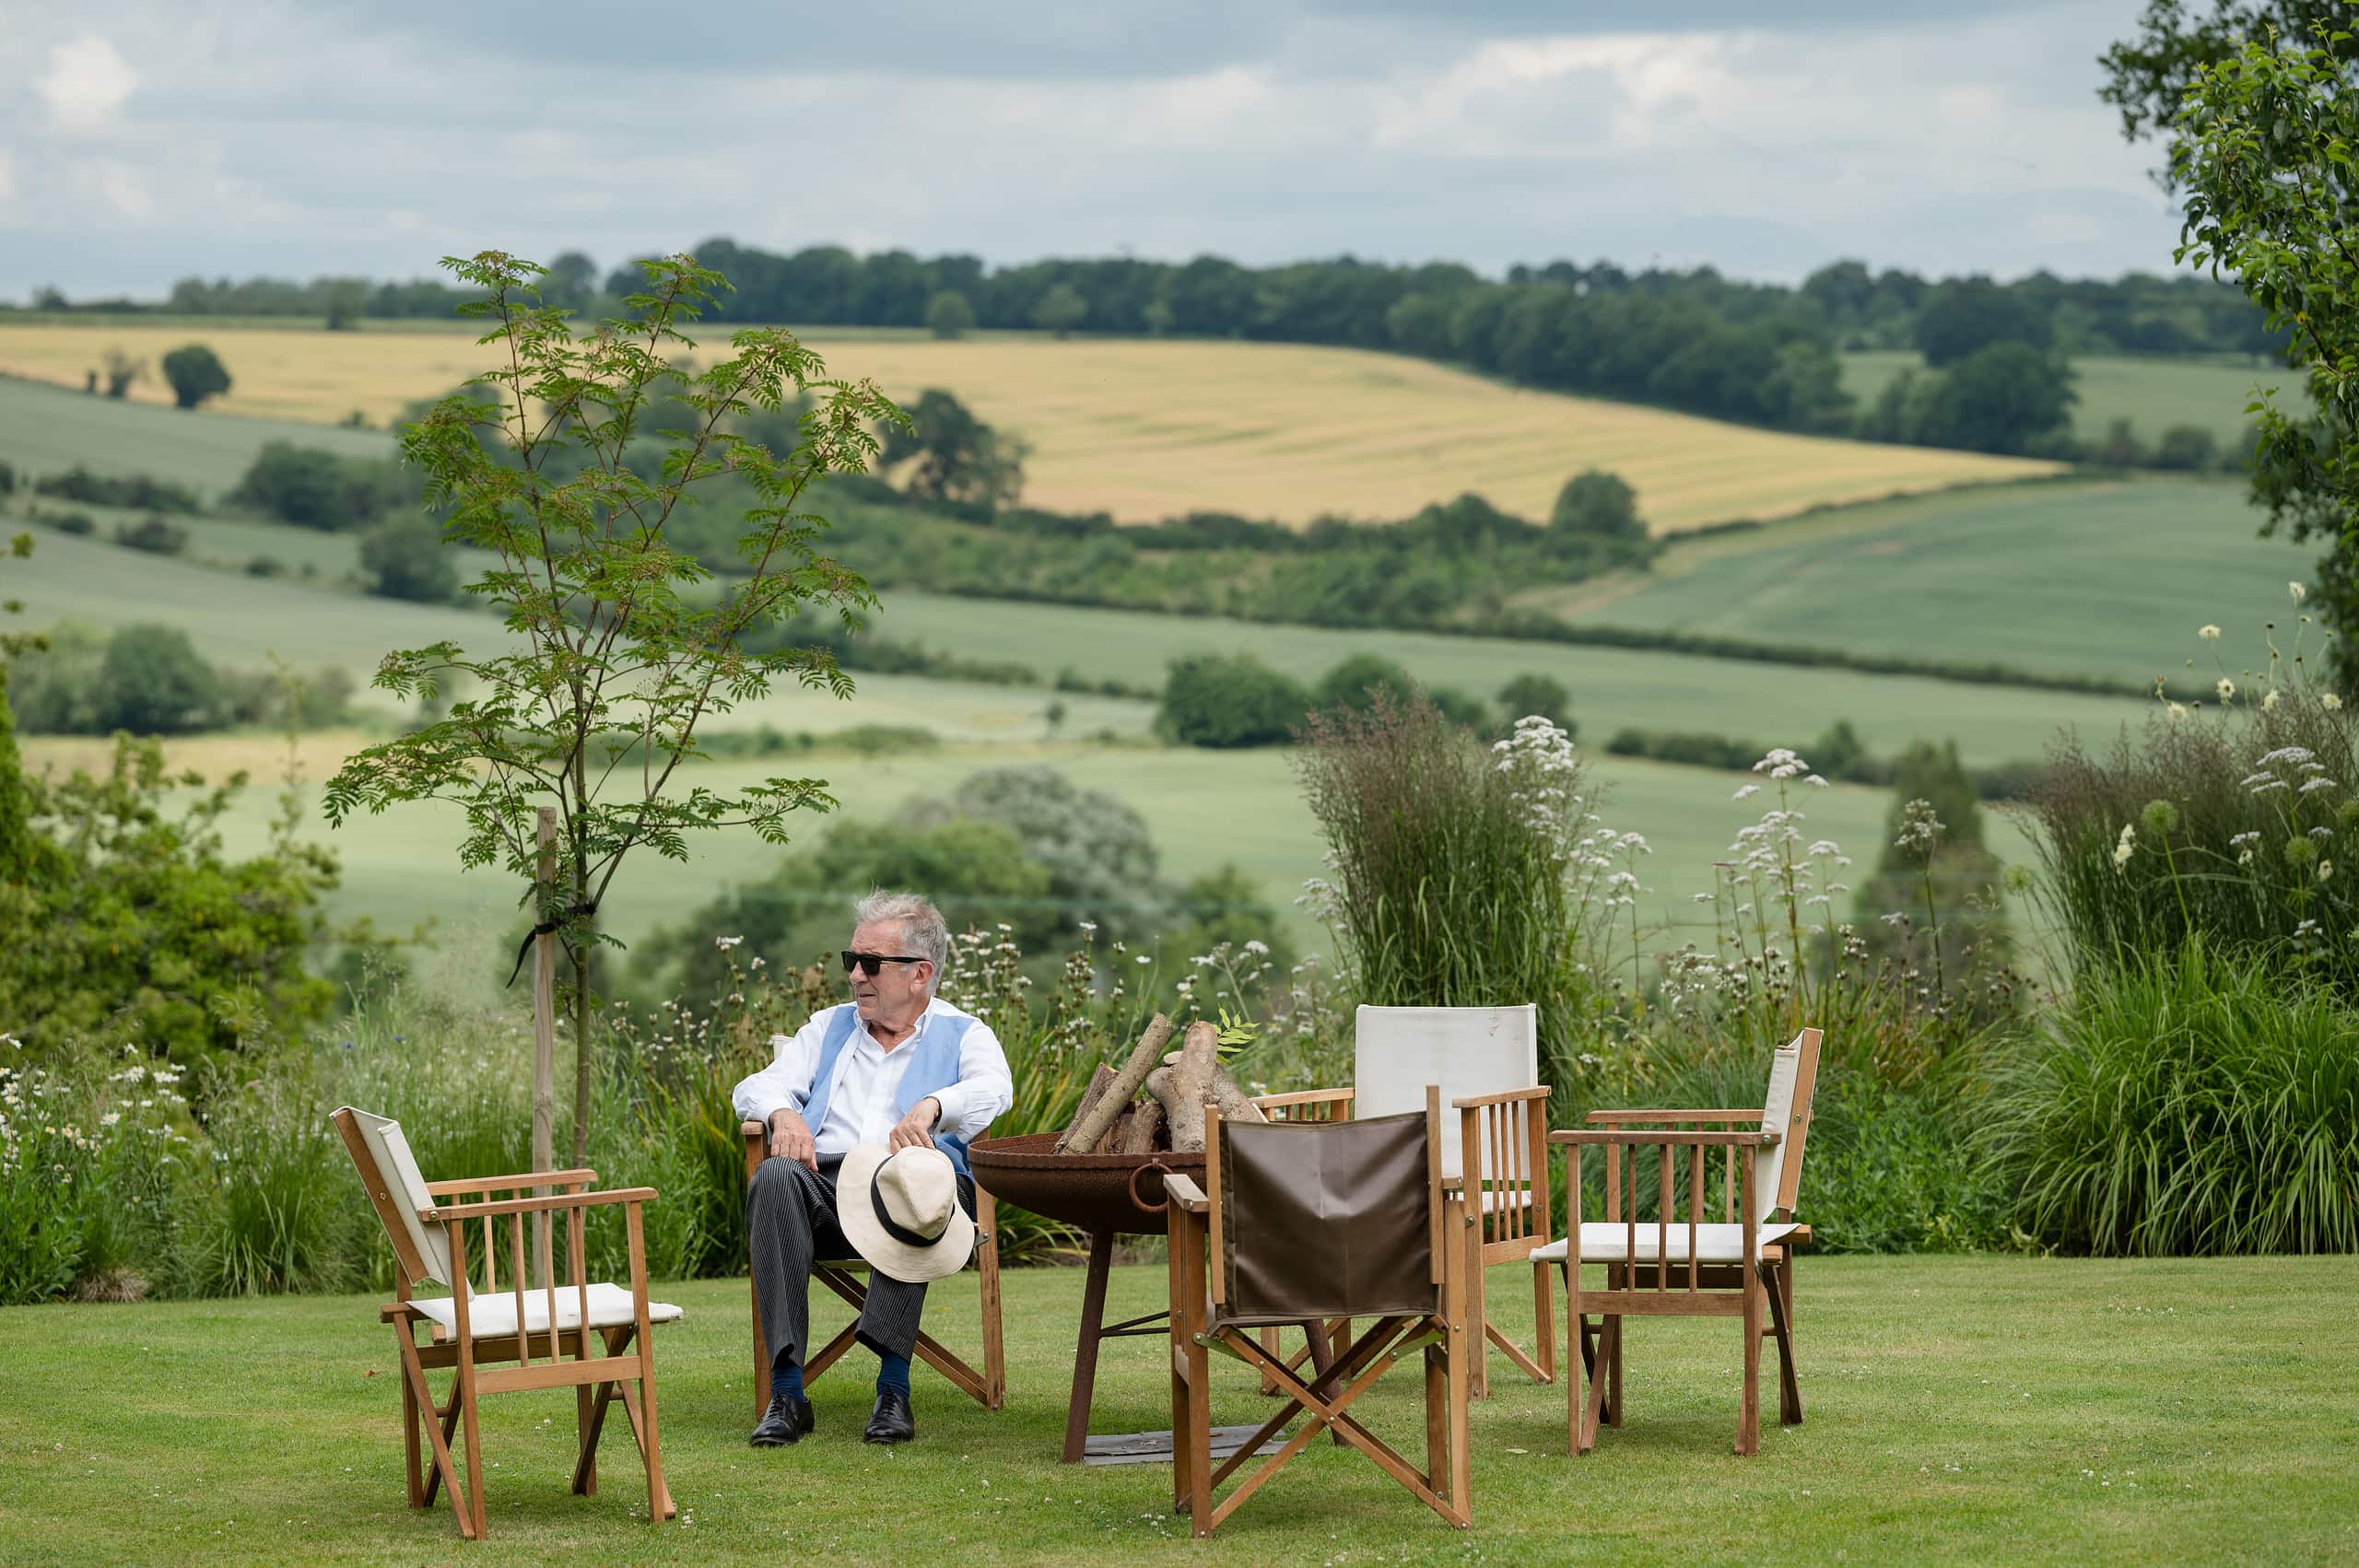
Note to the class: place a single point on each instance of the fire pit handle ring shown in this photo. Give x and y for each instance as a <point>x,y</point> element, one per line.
<point>1143,1205</point>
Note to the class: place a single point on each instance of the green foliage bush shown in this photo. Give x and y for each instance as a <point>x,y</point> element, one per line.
<point>152,534</point>
<point>2188,1101</point>
<point>153,682</point>
<point>129,923</point>
<point>137,491</point>
<point>1229,700</point>
<point>405,558</point>
<point>315,489</point>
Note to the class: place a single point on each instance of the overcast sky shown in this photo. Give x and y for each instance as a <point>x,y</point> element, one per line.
<point>143,142</point>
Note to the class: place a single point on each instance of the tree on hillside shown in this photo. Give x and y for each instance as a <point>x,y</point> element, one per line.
<point>1060,309</point>
<point>403,558</point>
<point>1971,314</point>
<point>195,373</point>
<point>948,315</point>
<point>1101,856</point>
<point>959,457</point>
<point>153,682</point>
<point>2262,155</point>
<point>1596,505</point>
<point>611,630</point>
<point>2009,397</point>
<point>574,278</point>
<point>121,371</point>
<point>1355,683</point>
<point>1529,694</point>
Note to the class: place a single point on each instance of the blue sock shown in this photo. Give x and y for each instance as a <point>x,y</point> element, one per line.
<point>787,1380</point>
<point>893,1371</point>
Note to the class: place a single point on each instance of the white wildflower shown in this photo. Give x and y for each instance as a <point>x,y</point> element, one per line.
<point>2331,703</point>
<point>1747,792</point>
<point>2228,689</point>
<point>2178,711</point>
<point>726,943</point>
<point>2209,633</point>
<point>2269,701</point>
<point>2125,847</point>
<point>2297,591</point>
<point>2326,871</point>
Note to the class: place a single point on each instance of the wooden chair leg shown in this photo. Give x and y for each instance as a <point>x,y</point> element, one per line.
<point>410,1419</point>
<point>1781,1328</point>
<point>464,1395</point>
<point>1478,1315</point>
<point>1748,1425</point>
<point>995,1350</point>
<point>1543,1320</point>
<point>1612,1344</point>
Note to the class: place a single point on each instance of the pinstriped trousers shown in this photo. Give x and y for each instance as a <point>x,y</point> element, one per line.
<point>790,1221</point>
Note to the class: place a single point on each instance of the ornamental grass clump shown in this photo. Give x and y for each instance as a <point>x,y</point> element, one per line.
<point>1466,876</point>
<point>2227,824</point>
<point>2188,1103</point>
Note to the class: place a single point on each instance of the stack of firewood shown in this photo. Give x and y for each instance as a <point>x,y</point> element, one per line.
<point>1113,1119</point>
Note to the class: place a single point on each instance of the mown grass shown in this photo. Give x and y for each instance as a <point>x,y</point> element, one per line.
<point>1961,1409</point>
<point>1128,426</point>
<point>2154,395</point>
<point>2108,578</point>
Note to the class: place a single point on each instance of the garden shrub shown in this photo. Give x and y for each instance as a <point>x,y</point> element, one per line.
<point>152,534</point>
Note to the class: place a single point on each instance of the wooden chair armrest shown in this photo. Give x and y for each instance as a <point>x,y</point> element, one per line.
<point>1183,1192</point>
<point>1503,1097</point>
<point>1624,1118</point>
<point>539,1205</point>
<point>1303,1097</point>
<point>494,1184</point>
<point>1676,1139</point>
<point>750,1129</point>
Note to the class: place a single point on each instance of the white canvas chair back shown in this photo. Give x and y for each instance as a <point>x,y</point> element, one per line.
<point>1467,1051</point>
<point>1782,1115</point>
<point>396,1177</point>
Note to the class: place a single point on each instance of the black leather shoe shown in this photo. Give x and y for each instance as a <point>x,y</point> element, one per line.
<point>891,1421</point>
<point>787,1420</point>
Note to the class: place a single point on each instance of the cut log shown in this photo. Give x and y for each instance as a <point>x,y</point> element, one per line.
<point>1088,1130</point>
<point>1099,1082</point>
<point>1111,1142</point>
<point>1183,1087</point>
<point>1145,1122</point>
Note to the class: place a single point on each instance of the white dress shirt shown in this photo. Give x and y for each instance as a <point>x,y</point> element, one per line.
<point>862,1107</point>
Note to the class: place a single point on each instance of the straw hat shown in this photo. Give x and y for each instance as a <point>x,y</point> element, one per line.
<point>900,1211</point>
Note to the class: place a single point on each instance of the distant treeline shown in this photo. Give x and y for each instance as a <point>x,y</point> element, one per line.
<point>1693,340</point>
<point>1837,754</point>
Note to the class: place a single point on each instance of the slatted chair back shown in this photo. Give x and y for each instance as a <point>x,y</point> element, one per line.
<point>1468,1052</point>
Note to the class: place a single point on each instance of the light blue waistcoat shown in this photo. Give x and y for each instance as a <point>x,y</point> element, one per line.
<point>933,1069</point>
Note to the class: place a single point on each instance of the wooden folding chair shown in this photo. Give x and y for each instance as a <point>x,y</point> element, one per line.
<point>1738,1263</point>
<point>1486,1062</point>
<point>475,1334</point>
<point>987,1387</point>
<point>1313,1223</point>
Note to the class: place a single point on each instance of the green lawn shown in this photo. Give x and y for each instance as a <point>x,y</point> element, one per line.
<point>2152,393</point>
<point>1968,1409</point>
<point>2107,579</point>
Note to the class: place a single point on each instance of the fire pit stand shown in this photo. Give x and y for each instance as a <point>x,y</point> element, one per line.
<point>1107,1195</point>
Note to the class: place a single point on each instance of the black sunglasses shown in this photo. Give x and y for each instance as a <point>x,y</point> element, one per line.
<point>869,964</point>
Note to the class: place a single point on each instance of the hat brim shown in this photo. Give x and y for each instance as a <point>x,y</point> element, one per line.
<point>856,1213</point>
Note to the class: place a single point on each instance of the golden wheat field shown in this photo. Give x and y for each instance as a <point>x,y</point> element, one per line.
<point>1146,430</point>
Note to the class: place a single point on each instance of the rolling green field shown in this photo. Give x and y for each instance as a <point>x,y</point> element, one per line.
<point>2107,579</point>
<point>1957,1409</point>
<point>1204,809</point>
<point>2153,395</point>
<point>45,430</point>
<point>1149,429</point>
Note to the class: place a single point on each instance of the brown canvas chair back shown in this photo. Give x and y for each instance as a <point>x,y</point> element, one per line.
<point>1326,1220</point>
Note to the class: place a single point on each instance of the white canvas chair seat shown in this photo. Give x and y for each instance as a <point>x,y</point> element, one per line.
<point>1606,1243</point>
<point>493,1316</point>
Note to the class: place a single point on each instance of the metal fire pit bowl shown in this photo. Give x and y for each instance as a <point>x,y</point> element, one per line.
<point>1099,1193</point>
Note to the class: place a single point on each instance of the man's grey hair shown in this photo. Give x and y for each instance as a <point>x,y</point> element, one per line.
<point>924,930</point>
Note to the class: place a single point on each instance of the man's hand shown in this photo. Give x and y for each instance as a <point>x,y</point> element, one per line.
<point>791,1138</point>
<point>915,1130</point>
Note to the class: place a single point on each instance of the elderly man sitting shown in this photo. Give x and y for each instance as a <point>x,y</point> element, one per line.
<point>870,1106</point>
